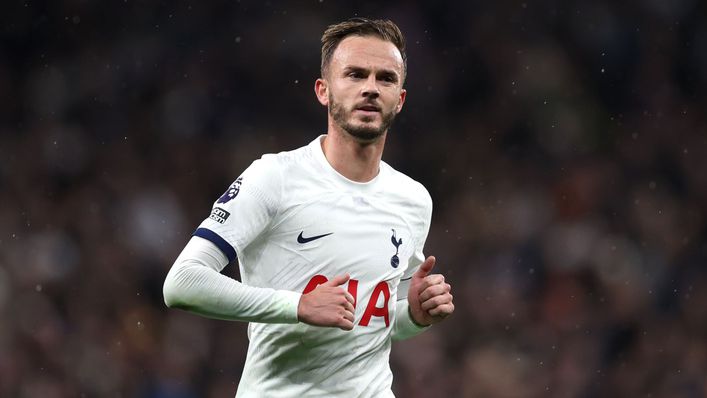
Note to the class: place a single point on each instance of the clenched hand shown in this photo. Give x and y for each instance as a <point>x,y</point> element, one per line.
<point>429,296</point>
<point>328,305</point>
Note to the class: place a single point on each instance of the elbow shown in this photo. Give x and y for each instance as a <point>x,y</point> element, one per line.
<point>173,300</point>
<point>170,299</point>
<point>171,293</point>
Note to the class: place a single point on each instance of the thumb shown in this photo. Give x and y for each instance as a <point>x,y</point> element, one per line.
<point>425,267</point>
<point>338,280</point>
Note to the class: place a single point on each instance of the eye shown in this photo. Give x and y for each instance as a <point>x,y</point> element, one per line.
<point>355,74</point>
<point>389,78</point>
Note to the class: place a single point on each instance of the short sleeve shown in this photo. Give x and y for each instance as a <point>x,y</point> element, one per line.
<point>245,209</point>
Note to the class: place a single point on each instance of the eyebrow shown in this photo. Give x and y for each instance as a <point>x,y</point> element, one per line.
<point>382,72</point>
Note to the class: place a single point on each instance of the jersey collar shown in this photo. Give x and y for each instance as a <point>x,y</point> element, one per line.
<point>318,152</point>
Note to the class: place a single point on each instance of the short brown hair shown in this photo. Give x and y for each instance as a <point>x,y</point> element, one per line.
<point>384,29</point>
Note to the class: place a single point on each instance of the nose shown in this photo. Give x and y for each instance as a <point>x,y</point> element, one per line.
<point>370,87</point>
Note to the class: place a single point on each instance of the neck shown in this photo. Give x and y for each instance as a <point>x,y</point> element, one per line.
<point>355,160</point>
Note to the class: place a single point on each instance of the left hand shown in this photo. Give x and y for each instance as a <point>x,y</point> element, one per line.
<point>429,296</point>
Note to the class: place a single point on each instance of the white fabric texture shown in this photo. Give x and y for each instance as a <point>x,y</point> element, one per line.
<point>195,282</point>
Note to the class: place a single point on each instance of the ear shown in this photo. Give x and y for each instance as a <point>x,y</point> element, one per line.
<point>321,89</point>
<point>401,101</point>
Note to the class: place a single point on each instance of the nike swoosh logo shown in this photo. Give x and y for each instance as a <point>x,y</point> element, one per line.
<point>302,239</point>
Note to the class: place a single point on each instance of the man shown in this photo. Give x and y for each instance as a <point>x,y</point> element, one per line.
<point>328,238</point>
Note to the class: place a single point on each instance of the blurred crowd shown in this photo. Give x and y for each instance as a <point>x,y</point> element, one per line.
<point>564,145</point>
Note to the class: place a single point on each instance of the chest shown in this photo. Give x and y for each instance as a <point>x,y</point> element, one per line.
<point>365,236</point>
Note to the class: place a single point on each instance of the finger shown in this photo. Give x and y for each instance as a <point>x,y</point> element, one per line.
<point>436,301</point>
<point>432,291</point>
<point>350,298</point>
<point>337,280</point>
<point>436,279</point>
<point>430,280</point>
<point>425,267</point>
<point>346,324</point>
<point>349,307</point>
<point>442,310</point>
<point>349,315</point>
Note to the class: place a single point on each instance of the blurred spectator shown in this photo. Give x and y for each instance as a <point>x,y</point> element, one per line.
<point>564,144</point>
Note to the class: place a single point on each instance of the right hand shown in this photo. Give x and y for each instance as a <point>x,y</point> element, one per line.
<point>328,305</point>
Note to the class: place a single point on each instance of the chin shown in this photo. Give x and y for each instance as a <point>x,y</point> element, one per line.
<point>365,134</point>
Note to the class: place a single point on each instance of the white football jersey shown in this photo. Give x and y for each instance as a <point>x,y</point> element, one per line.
<point>294,222</point>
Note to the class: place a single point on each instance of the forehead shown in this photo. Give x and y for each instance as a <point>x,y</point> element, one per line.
<point>367,52</point>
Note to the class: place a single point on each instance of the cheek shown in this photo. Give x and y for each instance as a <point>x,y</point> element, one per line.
<point>393,100</point>
<point>341,87</point>
<point>337,94</point>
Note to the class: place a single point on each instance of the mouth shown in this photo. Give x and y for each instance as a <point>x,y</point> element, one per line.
<point>368,108</point>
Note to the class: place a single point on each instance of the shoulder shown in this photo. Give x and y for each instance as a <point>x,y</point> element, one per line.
<point>264,177</point>
<point>411,200</point>
<point>286,159</point>
<point>412,192</point>
<point>273,165</point>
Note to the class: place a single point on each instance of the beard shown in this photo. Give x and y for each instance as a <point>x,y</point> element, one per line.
<point>364,132</point>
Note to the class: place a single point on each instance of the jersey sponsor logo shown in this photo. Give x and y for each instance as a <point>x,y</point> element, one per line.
<point>219,215</point>
<point>232,191</point>
<point>395,260</point>
<point>302,239</point>
<point>372,309</point>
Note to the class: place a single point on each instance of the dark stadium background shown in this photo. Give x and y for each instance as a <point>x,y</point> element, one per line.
<point>564,144</point>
